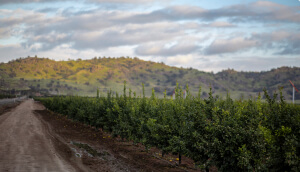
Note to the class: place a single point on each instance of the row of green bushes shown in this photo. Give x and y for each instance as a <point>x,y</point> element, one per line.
<point>244,135</point>
<point>2,96</point>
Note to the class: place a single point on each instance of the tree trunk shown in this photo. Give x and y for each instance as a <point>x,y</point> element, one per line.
<point>179,158</point>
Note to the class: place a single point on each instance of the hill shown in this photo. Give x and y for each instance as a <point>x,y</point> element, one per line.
<point>83,77</point>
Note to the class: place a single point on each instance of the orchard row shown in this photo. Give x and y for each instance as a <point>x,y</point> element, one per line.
<point>244,135</point>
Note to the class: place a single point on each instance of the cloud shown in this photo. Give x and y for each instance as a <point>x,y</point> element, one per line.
<point>216,63</point>
<point>221,24</point>
<point>173,13</point>
<point>98,30</point>
<point>292,47</point>
<point>93,1</point>
<point>262,11</point>
<point>23,1</point>
<point>181,60</point>
<point>127,35</point>
<point>251,63</point>
<point>46,42</point>
<point>47,10</point>
<point>278,42</point>
<point>5,33</point>
<point>8,50</point>
<point>16,21</point>
<point>176,34</point>
<point>232,45</point>
<point>122,1</point>
<point>19,16</point>
<point>28,26</point>
<point>162,49</point>
<point>284,42</point>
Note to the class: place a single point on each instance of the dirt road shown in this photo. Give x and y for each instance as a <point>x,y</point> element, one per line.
<point>35,139</point>
<point>25,144</point>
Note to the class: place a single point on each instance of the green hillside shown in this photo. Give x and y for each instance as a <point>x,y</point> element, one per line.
<point>83,77</point>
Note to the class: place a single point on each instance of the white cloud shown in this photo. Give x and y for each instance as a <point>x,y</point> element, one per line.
<point>12,51</point>
<point>251,63</point>
<point>181,46</point>
<point>182,34</point>
<point>181,60</point>
<point>220,46</point>
<point>5,33</point>
<point>93,1</point>
<point>123,1</point>
<point>285,43</point>
<point>221,24</point>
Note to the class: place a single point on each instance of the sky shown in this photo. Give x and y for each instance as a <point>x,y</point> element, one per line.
<point>208,35</point>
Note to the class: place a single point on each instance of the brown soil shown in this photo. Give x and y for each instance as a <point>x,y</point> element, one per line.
<point>113,154</point>
<point>25,144</point>
<point>35,139</point>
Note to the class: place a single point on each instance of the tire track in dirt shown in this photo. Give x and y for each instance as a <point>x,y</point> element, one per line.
<point>25,145</point>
